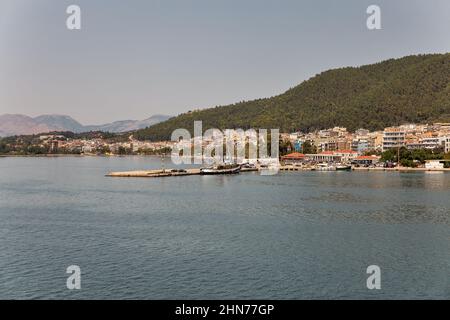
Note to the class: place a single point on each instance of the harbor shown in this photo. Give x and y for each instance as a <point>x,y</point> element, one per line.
<point>159,173</point>
<point>164,173</point>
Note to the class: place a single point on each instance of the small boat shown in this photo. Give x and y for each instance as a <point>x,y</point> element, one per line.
<point>248,165</point>
<point>269,169</point>
<point>221,169</point>
<point>325,167</point>
<point>343,167</point>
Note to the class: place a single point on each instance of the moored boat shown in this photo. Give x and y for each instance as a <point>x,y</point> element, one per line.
<point>221,169</point>
<point>343,167</point>
<point>325,167</point>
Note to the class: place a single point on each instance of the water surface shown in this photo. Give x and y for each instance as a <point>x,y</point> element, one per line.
<point>297,235</point>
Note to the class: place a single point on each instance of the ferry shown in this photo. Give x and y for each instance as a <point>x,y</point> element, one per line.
<point>221,169</point>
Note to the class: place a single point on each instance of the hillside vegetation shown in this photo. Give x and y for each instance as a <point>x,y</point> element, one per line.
<point>410,89</point>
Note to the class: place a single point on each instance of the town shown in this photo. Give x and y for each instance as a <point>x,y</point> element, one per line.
<point>409,145</point>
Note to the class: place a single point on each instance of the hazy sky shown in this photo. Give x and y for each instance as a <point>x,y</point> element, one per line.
<point>132,59</point>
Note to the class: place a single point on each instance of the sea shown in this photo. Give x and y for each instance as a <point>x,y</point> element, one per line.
<point>294,235</point>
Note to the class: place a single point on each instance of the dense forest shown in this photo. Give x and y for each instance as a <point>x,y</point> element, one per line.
<point>413,89</point>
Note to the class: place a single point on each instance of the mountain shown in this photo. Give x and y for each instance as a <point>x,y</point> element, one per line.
<point>59,122</point>
<point>410,89</point>
<point>17,124</point>
<point>128,125</point>
<point>11,124</point>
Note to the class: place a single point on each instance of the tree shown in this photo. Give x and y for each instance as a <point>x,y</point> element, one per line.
<point>308,148</point>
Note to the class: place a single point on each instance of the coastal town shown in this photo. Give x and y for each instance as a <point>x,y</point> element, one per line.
<point>362,148</point>
<point>420,145</point>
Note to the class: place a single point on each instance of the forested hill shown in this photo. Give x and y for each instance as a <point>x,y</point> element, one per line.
<point>410,89</point>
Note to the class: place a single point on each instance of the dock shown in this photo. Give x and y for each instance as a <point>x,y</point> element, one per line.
<point>195,171</point>
<point>162,173</point>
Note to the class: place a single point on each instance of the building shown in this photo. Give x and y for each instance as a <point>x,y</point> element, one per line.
<point>292,158</point>
<point>346,155</point>
<point>298,145</point>
<point>447,144</point>
<point>432,142</point>
<point>393,137</point>
<point>362,132</point>
<point>366,160</point>
<point>360,145</point>
<point>328,145</point>
<point>326,156</point>
<point>434,164</point>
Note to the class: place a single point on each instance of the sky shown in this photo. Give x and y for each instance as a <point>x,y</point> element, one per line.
<point>133,59</point>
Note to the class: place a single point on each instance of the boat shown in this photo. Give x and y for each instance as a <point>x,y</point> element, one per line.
<point>248,166</point>
<point>343,167</point>
<point>221,169</point>
<point>325,167</point>
<point>269,169</point>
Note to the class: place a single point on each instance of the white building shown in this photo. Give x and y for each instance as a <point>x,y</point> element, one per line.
<point>434,164</point>
<point>393,138</point>
<point>432,143</point>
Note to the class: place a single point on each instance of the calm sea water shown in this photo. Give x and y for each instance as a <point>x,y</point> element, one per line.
<point>291,236</point>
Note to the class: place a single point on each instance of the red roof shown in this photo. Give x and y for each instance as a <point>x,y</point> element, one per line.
<point>294,155</point>
<point>327,152</point>
<point>367,158</point>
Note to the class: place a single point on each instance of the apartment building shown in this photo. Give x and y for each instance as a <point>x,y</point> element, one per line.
<point>393,137</point>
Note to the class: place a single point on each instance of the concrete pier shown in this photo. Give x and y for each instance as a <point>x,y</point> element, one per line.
<point>162,173</point>
<point>188,172</point>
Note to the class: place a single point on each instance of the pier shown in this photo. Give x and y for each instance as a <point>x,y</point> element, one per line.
<point>162,173</point>
<point>196,171</point>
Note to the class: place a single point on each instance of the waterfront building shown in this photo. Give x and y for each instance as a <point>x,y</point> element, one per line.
<point>326,156</point>
<point>346,155</point>
<point>434,164</point>
<point>293,158</point>
<point>393,137</point>
<point>366,160</point>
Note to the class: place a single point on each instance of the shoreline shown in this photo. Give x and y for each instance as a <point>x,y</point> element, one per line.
<point>74,155</point>
<point>282,168</point>
<point>401,169</point>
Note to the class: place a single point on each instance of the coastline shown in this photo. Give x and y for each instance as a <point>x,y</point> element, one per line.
<point>73,155</point>
<point>282,168</point>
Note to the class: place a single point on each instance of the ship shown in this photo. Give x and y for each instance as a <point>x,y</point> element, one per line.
<point>221,169</point>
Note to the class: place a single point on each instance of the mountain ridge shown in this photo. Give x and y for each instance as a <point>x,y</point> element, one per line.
<point>19,124</point>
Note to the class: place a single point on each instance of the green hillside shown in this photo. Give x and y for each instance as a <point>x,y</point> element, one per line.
<point>410,89</point>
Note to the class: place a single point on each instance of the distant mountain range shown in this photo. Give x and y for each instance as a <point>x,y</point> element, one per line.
<point>18,124</point>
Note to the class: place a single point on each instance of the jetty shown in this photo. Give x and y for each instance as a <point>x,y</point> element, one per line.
<point>196,171</point>
<point>163,173</point>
